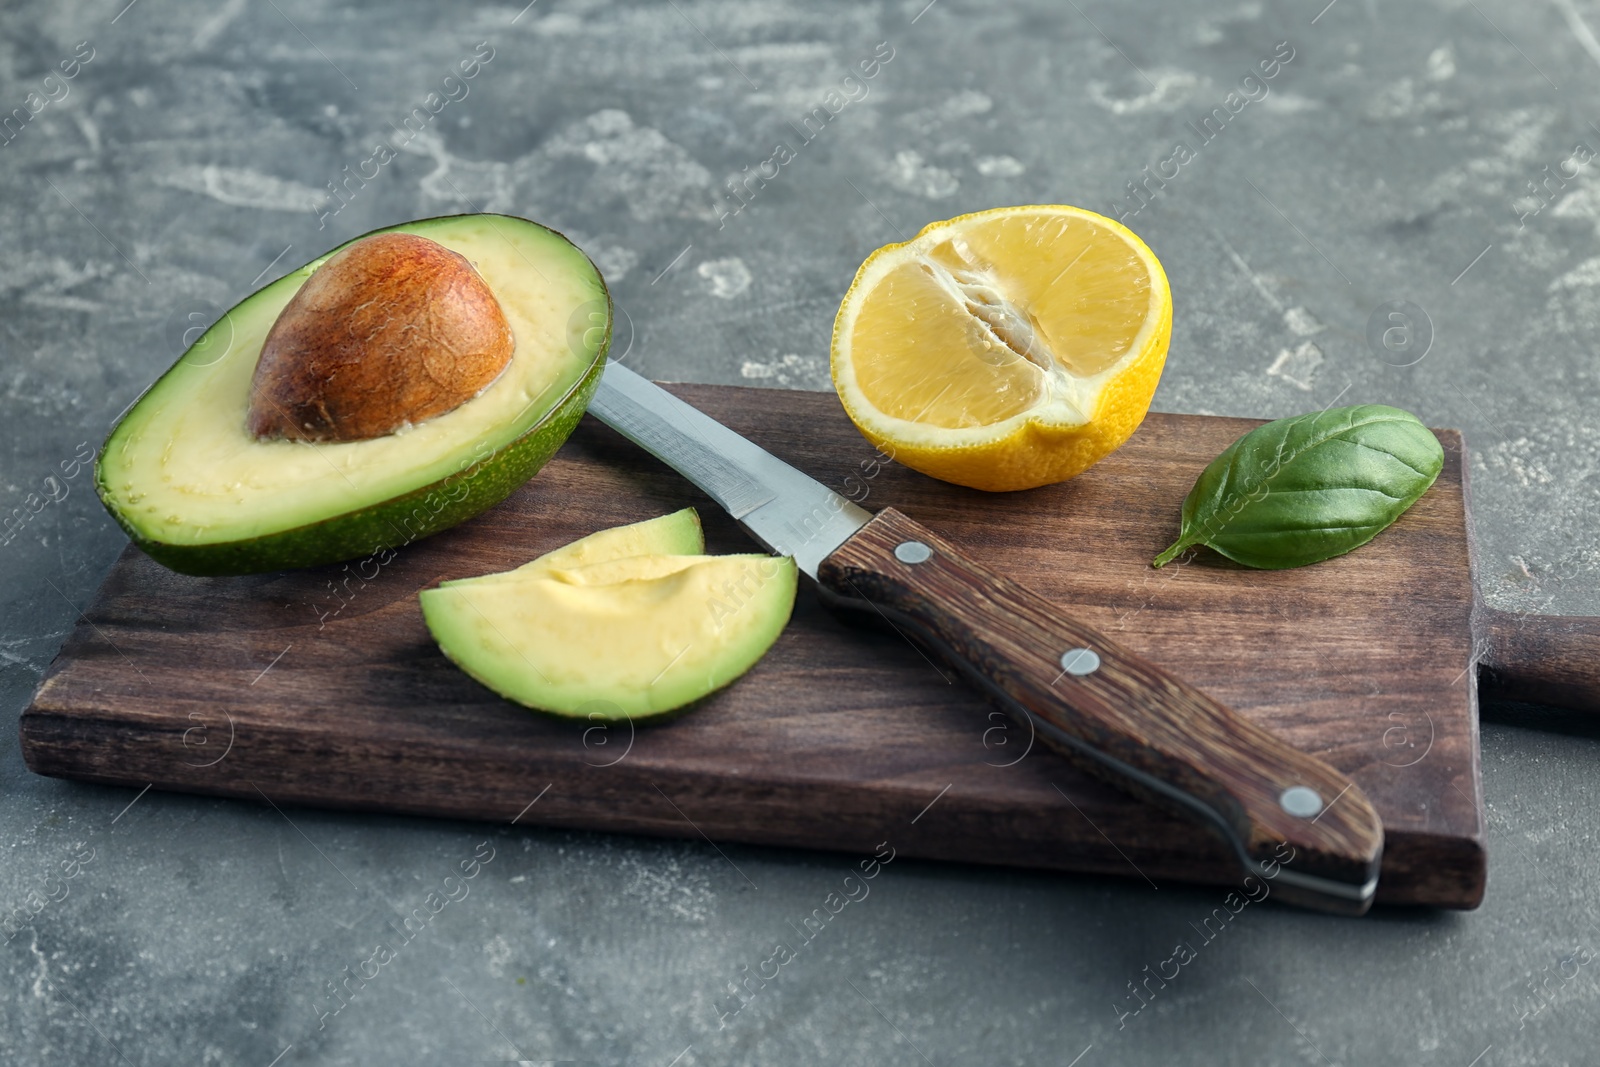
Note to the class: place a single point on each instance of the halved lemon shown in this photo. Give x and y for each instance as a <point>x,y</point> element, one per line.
<point>1004,349</point>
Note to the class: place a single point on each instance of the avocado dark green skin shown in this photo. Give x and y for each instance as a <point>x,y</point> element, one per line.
<point>395,522</point>
<point>391,523</point>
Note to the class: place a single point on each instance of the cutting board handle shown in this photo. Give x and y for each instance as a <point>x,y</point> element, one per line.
<point>1544,659</point>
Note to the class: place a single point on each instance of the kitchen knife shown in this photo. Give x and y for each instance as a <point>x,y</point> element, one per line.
<point>1287,816</point>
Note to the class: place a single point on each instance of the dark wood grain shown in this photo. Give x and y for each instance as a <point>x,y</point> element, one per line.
<point>1545,659</point>
<point>843,735</point>
<point>1012,643</point>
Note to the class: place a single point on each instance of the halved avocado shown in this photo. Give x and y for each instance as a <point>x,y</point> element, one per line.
<point>193,488</point>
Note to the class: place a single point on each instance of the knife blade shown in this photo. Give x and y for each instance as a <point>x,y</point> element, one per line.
<point>1287,817</point>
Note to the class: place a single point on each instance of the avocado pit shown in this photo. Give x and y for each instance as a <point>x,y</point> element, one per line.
<point>391,331</point>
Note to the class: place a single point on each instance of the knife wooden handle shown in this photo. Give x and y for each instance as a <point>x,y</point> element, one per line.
<point>1117,715</point>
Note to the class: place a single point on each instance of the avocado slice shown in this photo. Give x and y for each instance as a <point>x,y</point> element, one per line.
<point>677,534</point>
<point>193,488</point>
<point>631,638</point>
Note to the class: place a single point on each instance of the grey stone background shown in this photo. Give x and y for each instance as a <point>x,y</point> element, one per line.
<point>189,161</point>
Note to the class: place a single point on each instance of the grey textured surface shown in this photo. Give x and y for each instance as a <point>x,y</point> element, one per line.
<point>192,154</point>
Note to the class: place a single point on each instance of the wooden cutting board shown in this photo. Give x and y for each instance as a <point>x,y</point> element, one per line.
<point>324,688</point>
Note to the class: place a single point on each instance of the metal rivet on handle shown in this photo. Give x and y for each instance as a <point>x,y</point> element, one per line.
<point>912,552</point>
<point>1080,661</point>
<point>1301,800</point>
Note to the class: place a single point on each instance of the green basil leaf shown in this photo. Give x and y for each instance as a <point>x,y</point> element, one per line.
<point>1302,490</point>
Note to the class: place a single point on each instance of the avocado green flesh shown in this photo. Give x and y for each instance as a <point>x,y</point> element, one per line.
<point>677,534</point>
<point>190,485</point>
<point>629,638</point>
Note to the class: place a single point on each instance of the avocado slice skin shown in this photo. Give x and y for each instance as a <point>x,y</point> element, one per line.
<point>482,476</point>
